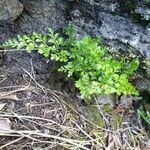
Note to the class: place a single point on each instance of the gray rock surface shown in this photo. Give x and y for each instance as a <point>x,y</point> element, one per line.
<point>10,10</point>
<point>39,15</point>
<point>123,24</point>
<point>36,16</point>
<point>104,18</point>
<point>106,99</point>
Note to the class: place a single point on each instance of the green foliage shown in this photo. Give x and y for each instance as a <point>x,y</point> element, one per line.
<point>96,70</point>
<point>145,116</point>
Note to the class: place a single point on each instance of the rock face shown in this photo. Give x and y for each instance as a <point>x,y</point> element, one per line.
<point>123,24</point>
<point>10,10</point>
<point>36,16</point>
<point>40,14</point>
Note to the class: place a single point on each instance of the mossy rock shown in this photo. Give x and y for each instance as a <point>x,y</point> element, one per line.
<point>107,108</point>
<point>116,119</point>
<point>95,117</point>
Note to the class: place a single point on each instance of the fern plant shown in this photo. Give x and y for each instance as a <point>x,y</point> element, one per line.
<point>96,70</point>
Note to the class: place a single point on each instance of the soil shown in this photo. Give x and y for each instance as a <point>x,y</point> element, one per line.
<point>45,111</point>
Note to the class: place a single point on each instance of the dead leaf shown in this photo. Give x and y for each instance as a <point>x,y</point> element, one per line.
<point>5,124</point>
<point>2,105</point>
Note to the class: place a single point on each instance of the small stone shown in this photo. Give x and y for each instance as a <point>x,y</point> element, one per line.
<point>10,10</point>
<point>106,99</point>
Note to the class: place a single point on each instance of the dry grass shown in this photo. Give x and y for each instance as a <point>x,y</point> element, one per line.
<point>45,121</point>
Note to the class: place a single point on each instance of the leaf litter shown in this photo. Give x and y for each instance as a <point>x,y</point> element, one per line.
<point>35,116</point>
